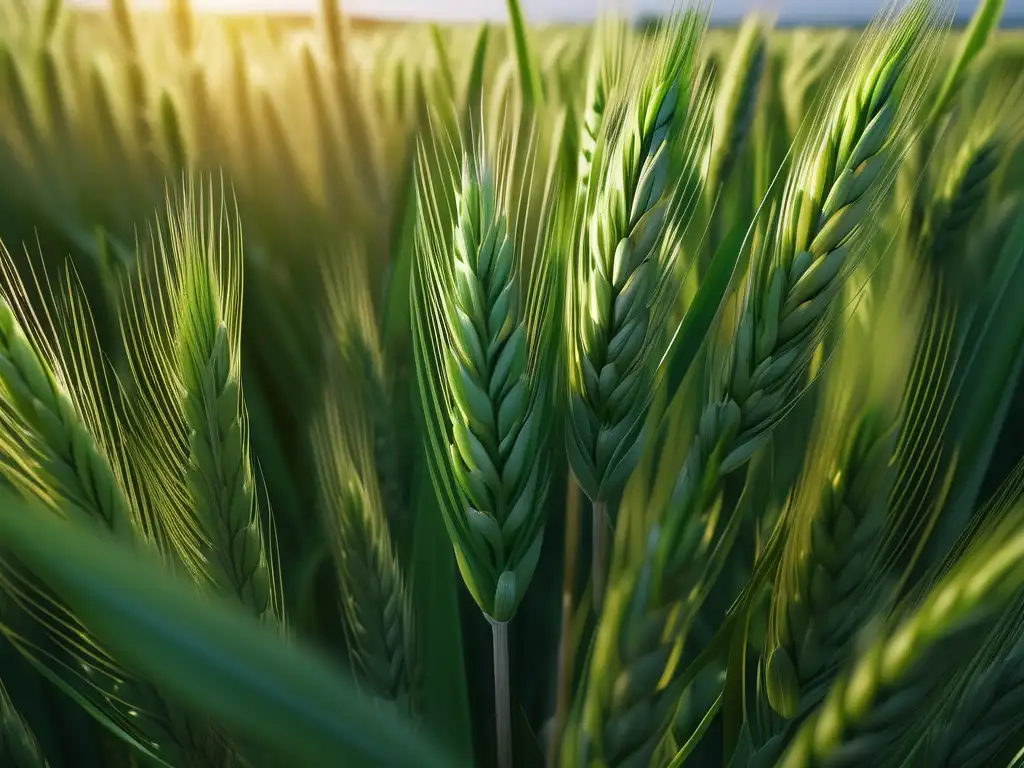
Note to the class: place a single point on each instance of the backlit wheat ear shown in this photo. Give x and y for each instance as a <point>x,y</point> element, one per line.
<point>866,715</point>
<point>736,101</point>
<point>183,337</point>
<point>353,329</point>
<point>815,244</point>
<point>376,605</point>
<point>42,417</point>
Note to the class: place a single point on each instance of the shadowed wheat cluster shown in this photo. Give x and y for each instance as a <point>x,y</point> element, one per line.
<point>606,396</point>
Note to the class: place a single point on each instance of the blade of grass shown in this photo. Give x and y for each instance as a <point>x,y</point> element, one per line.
<point>529,75</point>
<point>207,652</point>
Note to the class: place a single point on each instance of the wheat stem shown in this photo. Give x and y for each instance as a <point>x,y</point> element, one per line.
<point>564,674</point>
<point>599,529</point>
<point>502,692</point>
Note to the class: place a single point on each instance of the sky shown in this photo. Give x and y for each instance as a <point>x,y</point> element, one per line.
<point>544,10</point>
<point>789,11</point>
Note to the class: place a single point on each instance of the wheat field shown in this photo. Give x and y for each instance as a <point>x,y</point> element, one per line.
<point>621,395</point>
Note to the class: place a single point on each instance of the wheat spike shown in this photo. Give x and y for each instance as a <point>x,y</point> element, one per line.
<point>184,336</point>
<point>828,601</point>
<point>40,418</point>
<point>219,474</point>
<point>376,604</point>
<point>626,258</point>
<point>869,711</point>
<point>495,452</point>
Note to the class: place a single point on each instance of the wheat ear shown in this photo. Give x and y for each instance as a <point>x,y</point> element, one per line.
<point>623,266</point>
<point>354,329</point>
<point>815,624</point>
<point>183,337</point>
<point>376,606</point>
<point>870,709</point>
<point>219,471</point>
<point>493,403</point>
<point>43,417</point>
